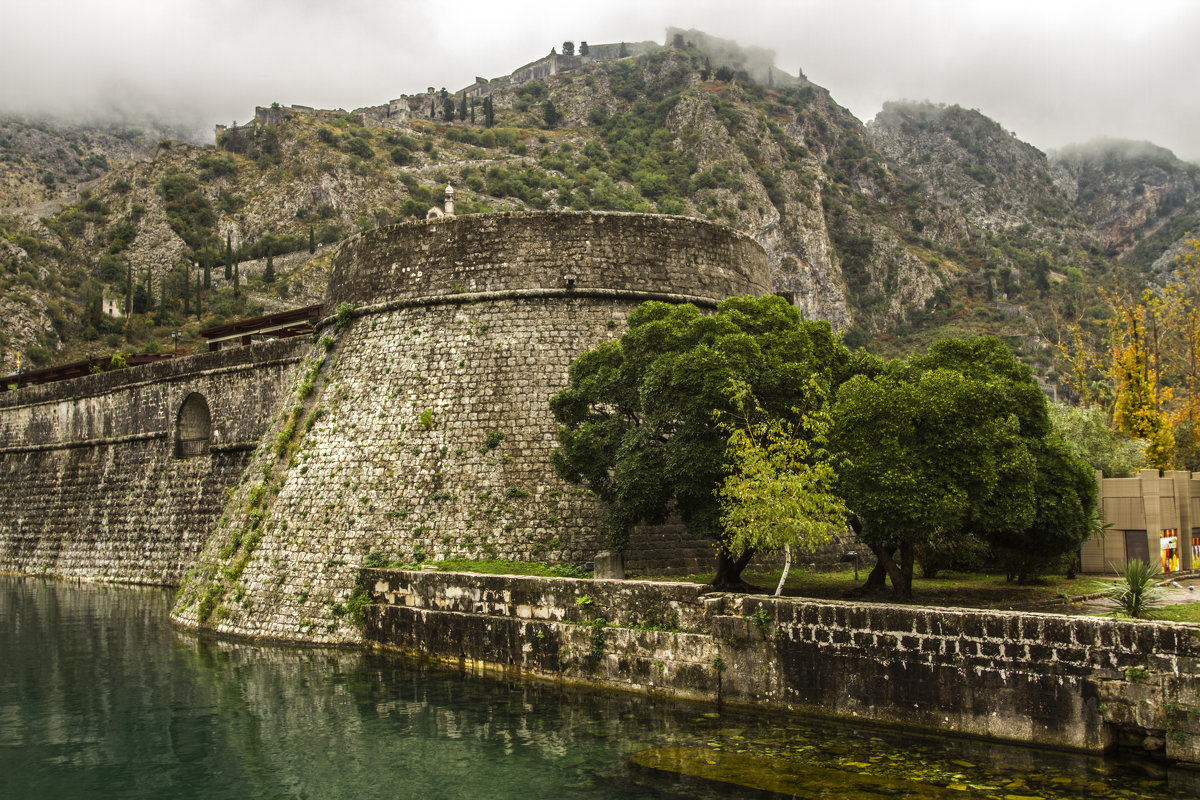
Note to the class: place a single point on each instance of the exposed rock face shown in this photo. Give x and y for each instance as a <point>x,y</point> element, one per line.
<point>1126,190</point>
<point>927,216</point>
<point>48,160</point>
<point>978,177</point>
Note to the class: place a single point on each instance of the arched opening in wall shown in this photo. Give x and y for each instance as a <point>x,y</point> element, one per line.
<point>193,428</point>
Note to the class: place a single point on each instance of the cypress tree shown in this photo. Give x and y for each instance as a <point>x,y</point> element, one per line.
<point>269,272</point>
<point>462,106</point>
<point>312,240</point>
<point>551,114</point>
<point>237,279</point>
<point>228,258</point>
<point>187,290</point>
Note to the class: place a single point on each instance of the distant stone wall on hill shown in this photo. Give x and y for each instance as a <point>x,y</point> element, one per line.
<point>92,483</point>
<point>424,430</point>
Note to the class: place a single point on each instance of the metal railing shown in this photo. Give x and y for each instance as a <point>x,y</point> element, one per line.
<point>190,448</point>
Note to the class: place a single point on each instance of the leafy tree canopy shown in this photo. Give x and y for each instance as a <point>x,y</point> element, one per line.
<point>637,418</point>
<point>1085,430</point>
<point>779,493</point>
<point>954,441</point>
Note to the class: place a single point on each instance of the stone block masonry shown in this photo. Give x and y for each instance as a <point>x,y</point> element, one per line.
<point>91,483</point>
<point>1080,683</point>
<point>422,429</point>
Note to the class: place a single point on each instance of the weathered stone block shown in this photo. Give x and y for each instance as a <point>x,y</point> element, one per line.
<point>610,565</point>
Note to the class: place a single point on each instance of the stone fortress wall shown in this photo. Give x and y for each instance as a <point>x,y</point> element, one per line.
<point>423,429</point>
<point>92,486</point>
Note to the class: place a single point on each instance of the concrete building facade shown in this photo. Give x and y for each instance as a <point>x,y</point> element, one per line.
<point>1154,517</point>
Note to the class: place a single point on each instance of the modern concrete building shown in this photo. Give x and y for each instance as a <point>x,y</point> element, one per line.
<point>1154,517</point>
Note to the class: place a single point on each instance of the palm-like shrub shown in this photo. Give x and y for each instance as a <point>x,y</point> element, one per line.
<point>1137,594</point>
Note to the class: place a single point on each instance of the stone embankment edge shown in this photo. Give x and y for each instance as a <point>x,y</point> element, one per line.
<point>1072,683</point>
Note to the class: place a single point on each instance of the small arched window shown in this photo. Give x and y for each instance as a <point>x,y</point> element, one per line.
<point>193,428</point>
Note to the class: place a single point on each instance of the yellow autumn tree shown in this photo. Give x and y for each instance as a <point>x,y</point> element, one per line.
<point>1177,308</point>
<point>1146,374</point>
<point>779,492</point>
<point>1134,354</point>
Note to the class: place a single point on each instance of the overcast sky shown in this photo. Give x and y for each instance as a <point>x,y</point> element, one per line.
<point>1052,71</point>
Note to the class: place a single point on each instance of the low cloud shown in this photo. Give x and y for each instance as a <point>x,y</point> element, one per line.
<point>1054,73</point>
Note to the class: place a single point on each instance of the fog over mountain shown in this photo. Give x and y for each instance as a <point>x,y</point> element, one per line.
<point>1052,72</point>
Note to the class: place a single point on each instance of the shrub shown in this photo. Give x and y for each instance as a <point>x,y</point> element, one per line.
<point>1137,595</point>
<point>359,147</point>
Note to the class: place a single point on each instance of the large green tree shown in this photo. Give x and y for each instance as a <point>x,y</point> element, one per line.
<point>637,419</point>
<point>1085,430</point>
<point>957,441</point>
<point>1064,491</point>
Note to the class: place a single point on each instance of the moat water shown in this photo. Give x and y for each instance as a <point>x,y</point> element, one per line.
<point>101,698</point>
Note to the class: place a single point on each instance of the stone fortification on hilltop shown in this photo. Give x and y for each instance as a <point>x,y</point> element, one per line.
<point>428,104</point>
<point>421,428</point>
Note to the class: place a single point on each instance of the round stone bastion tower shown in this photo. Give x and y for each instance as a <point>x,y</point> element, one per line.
<point>418,426</point>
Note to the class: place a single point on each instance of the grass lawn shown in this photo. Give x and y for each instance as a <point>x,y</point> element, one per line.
<point>967,589</point>
<point>1182,612</point>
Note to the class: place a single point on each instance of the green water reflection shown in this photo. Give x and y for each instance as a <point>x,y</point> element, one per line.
<point>99,697</point>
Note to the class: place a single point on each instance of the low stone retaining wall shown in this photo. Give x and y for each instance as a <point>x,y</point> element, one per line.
<point>1073,682</point>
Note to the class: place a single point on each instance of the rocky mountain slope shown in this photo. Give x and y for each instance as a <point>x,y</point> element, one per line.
<point>928,220</point>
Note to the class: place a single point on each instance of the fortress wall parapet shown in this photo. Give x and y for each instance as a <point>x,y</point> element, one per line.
<point>557,252</point>
<point>143,400</point>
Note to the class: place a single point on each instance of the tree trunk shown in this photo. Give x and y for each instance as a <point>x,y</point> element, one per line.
<point>907,561</point>
<point>787,565</point>
<point>876,580</point>
<point>887,559</point>
<point>729,571</point>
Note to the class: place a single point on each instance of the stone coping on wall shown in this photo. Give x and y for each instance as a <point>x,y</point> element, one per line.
<point>254,356</point>
<point>466,299</point>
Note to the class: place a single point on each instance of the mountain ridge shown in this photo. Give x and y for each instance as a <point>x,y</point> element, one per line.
<point>928,218</point>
